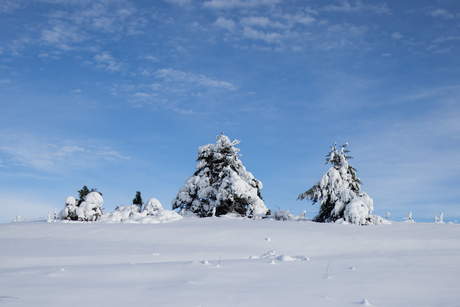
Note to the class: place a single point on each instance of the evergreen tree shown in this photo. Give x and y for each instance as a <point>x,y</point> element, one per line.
<point>83,193</point>
<point>138,200</point>
<point>339,192</point>
<point>221,182</point>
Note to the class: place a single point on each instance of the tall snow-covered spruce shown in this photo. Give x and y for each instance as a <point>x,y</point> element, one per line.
<point>220,183</point>
<point>339,193</point>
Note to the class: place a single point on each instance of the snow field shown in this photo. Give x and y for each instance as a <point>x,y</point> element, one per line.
<point>228,262</point>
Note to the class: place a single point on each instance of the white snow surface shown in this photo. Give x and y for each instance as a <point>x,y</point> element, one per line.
<point>228,262</point>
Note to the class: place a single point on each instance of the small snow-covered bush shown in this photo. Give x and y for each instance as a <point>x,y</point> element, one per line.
<point>356,213</point>
<point>283,215</point>
<point>90,209</point>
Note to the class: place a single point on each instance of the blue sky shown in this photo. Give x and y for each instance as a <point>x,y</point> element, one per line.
<point>119,95</point>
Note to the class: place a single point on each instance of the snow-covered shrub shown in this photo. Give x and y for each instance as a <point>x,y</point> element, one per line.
<point>221,182</point>
<point>90,209</point>
<point>132,212</point>
<point>409,218</point>
<point>439,220</point>
<point>285,215</point>
<point>152,206</point>
<point>339,192</point>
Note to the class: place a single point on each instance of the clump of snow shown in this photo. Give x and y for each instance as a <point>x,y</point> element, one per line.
<point>152,206</point>
<point>285,258</point>
<point>70,201</point>
<point>272,255</point>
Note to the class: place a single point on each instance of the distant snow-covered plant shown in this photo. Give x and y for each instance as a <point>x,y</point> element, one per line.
<point>138,200</point>
<point>409,218</point>
<point>439,220</point>
<point>89,209</point>
<point>339,193</point>
<point>283,215</point>
<point>221,182</point>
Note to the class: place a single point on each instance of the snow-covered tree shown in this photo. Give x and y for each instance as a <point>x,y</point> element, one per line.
<point>138,200</point>
<point>339,193</point>
<point>221,182</point>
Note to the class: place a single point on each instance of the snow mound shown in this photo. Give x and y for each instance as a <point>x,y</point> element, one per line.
<point>285,258</point>
<point>365,302</point>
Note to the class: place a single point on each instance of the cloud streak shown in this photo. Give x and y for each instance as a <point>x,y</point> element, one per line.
<point>232,4</point>
<point>43,154</point>
<point>178,76</point>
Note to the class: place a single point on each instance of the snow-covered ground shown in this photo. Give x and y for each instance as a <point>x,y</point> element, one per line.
<point>229,262</point>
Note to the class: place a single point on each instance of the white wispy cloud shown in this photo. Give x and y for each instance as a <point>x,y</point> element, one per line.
<point>358,7</point>
<point>80,20</point>
<point>149,57</point>
<point>172,75</point>
<point>396,35</point>
<point>6,80</point>
<point>105,61</point>
<point>228,24</point>
<point>444,39</point>
<point>32,151</point>
<point>230,4</point>
<point>269,37</point>
<point>9,6</point>
<point>255,21</point>
<point>441,13</point>
<point>61,35</point>
<point>180,2</point>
